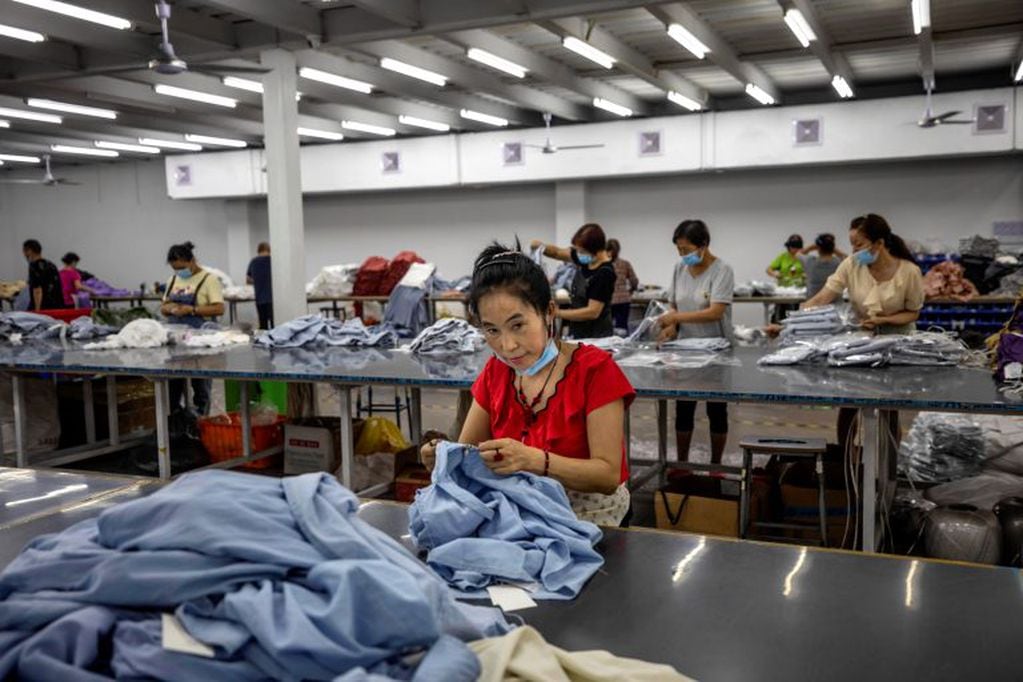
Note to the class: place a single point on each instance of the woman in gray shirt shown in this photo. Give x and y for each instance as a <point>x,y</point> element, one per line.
<point>701,307</point>
<point>822,265</point>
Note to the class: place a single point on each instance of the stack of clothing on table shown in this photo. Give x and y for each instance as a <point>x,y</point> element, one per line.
<point>448,336</point>
<point>19,325</point>
<point>928,349</point>
<point>272,578</point>
<point>10,289</point>
<point>984,247</point>
<point>812,322</point>
<point>136,334</point>
<point>315,330</point>
<point>704,345</point>
<point>101,288</point>
<point>481,528</point>
<point>86,329</point>
<point>440,285</point>
<point>406,308</point>
<point>333,280</point>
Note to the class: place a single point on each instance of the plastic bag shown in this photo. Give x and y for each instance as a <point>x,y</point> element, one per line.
<point>983,491</point>
<point>380,435</point>
<point>942,447</point>
<point>648,329</point>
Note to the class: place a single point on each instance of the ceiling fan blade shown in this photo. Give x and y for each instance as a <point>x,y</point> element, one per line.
<point>580,146</point>
<point>217,69</point>
<point>535,146</point>
<point>947,114</point>
<point>62,181</point>
<point>112,71</point>
<point>956,121</point>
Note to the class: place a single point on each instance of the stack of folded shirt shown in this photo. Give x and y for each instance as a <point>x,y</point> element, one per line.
<point>450,335</point>
<point>813,322</point>
<point>928,349</point>
<point>315,330</point>
<point>710,344</point>
<point>28,325</point>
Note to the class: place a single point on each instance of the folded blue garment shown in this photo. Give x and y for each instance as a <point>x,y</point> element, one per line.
<point>315,330</point>
<point>482,528</point>
<point>280,576</point>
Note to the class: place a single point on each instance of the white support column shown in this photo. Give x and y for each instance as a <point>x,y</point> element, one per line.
<point>569,210</point>
<point>284,184</point>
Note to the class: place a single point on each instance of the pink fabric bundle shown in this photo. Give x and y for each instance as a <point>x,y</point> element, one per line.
<point>946,280</point>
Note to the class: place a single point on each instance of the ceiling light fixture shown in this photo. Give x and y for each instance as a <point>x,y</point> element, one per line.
<point>83,151</point>
<point>70,108</point>
<point>170,144</point>
<point>321,134</point>
<point>483,118</point>
<point>799,27</point>
<point>123,147</point>
<point>921,15</point>
<point>584,49</point>
<point>1019,73</point>
<point>367,128</point>
<point>610,106</point>
<point>217,141</point>
<point>683,37</point>
<point>759,94</point>
<point>194,95</point>
<point>334,79</point>
<point>5,124</point>
<point>77,12</point>
<point>423,123</point>
<point>242,84</point>
<point>683,101</point>
<point>495,62</point>
<point>29,115</point>
<point>413,71</point>
<point>841,86</point>
<point>21,34</point>
<point>19,158</point>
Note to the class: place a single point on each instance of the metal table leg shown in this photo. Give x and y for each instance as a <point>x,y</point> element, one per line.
<point>232,311</point>
<point>662,438</point>
<point>870,435</point>
<point>112,423</point>
<point>767,314</point>
<point>19,420</point>
<point>415,417</point>
<point>347,436</point>
<point>90,411</point>
<point>162,435</point>
<point>243,397</point>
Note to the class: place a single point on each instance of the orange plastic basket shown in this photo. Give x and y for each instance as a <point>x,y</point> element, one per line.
<point>221,435</point>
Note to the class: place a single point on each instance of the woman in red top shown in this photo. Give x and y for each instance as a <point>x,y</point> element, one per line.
<point>541,405</point>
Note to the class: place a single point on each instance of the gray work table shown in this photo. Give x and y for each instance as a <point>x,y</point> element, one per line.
<point>719,609</point>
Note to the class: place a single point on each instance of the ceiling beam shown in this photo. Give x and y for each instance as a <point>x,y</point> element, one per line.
<point>474,79</point>
<point>339,104</point>
<point>545,69</point>
<point>288,15</point>
<point>628,59</point>
<point>721,53</point>
<point>76,31</point>
<point>834,62</point>
<point>48,52</point>
<point>186,26</point>
<point>402,12</point>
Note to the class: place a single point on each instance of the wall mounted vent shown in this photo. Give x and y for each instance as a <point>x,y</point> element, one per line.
<point>807,132</point>
<point>390,162</point>
<point>511,154</point>
<point>650,143</point>
<point>989,118</point>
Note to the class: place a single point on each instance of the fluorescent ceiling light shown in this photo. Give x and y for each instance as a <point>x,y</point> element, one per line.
<point>79,13</point>
<point>1019,73</point>
<point>841,86</point>
<point>921,15</point>
<point>170,144</point>
<point>758,94</point>
<point>83,151</point>
<point>608,105</point>
<point>5,124</point>
<point>242,84</point>
<point>122,147</point>
<point>413,71</point>
<point>423,123</point>
<point>483,118</point>
<point>687,40</point>
<point>321,134</point>
<point>70,108</point>
<point>367,128</point>
<point>194,95</point>
<point>333,79</point>
<point>683,101</point>
<point>217,141</point>
<point>29,115</point>
<point>19,158</point>
<point>799,27</point>
<point>21,34</point>
<point>584,49</point>
<point>495,62</point>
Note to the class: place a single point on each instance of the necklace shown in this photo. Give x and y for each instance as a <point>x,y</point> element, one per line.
<point>530,406</point>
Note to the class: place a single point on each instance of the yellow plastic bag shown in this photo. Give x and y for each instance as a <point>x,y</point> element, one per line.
<point>380,435</point>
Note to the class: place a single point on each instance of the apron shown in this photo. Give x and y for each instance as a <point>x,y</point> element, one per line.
<point>183,298</point>
<point>599,328</point>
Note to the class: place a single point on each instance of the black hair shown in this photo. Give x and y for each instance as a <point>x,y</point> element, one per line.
<point>591,238</point>
<point>825,243</point>
<point>499,268</point>
<point>875,228</point>
<point>70,257</point>
<point>32,245</point>
<point>185,252</point>
<point>614,248</point>
<point>693,231</point>
<point>794,241</point>
<point>263,246</point>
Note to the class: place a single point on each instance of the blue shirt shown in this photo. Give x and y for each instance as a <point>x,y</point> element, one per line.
<point>259,271</point>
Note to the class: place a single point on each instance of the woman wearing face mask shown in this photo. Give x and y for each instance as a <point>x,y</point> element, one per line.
<point>594,283</point>
<point>541,405</point>
<point>701,307</point>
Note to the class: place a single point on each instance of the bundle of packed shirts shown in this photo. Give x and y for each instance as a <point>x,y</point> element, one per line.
<point>448,336</point>
<point>316,330</point>
<point>813,322</point>
<point>926,349</point>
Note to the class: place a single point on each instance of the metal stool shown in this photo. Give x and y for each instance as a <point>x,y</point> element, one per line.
<point>784,449</point>
<point>369,407</point>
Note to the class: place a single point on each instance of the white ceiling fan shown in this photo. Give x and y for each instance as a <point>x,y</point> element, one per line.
<point>930,120</point>
<point>48,178</point>
<point>549,148</point>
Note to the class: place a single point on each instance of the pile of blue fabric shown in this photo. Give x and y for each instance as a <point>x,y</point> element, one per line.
<point>28,325</point>
<point>316,330</point>
<point>481,528</point>
<point>449,335</point>
<point>279,576</point>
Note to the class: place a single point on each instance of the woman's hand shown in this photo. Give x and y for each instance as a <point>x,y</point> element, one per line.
<point>507,456</point>
<point>668,323</point>
<point>535,244</point>
<point>428,454</point>
<point>874,321</point>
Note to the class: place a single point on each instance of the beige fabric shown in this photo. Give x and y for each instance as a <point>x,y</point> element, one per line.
<point>523,656</point>
<point>904,291</point>
<point>603,510</point>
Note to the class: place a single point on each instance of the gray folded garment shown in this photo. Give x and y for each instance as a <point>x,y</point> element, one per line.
<point>29,325</point>
<point>790,355</point>
<point>701,344</point>
<point>448,336</point>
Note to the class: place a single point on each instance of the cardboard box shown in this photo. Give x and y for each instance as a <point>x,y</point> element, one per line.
<point>314,444</point>
<point>708,505</point>
<point>800,505</point>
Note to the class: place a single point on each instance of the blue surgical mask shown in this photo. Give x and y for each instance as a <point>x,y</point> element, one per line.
<point>184,273</point>
<point>865,257</point>
<point>691,259</point>
<point>548,356</point>
<point>584,258</point>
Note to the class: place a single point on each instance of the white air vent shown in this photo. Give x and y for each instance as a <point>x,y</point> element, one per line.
<point>989,118</point>
<point>807,132</point>
<point>390,162</point>
<point>511,154</point>
<point>183,176</point>
<point>650,143</point>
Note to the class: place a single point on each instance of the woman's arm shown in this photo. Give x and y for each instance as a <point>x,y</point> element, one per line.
<point>552,251</point>
<point>896,320</point>
<point>592,311</point>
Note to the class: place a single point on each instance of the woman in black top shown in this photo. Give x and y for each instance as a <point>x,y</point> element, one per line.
<point>589,316</point>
